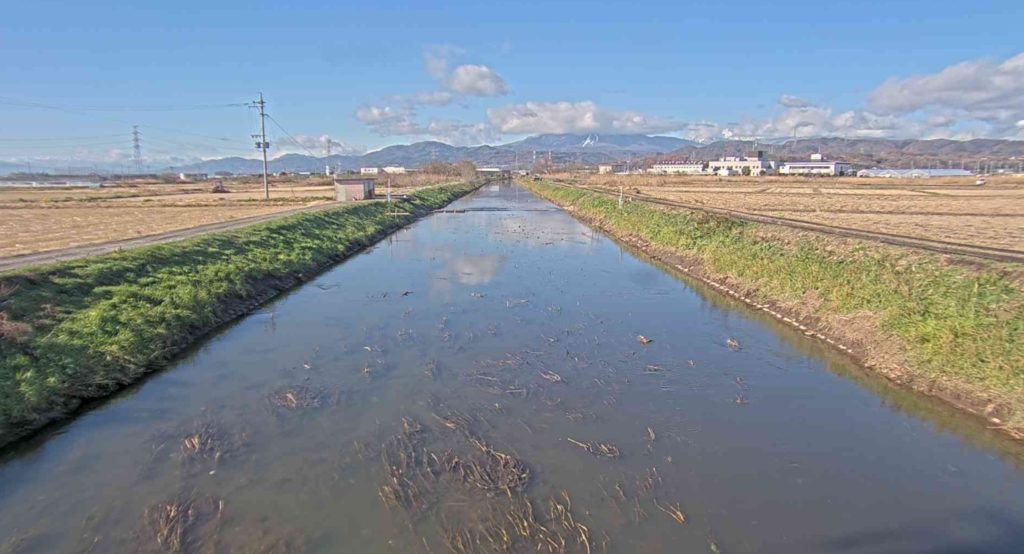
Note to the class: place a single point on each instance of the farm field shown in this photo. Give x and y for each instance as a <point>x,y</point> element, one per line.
<point>44,219</point>
<point>952,210</point>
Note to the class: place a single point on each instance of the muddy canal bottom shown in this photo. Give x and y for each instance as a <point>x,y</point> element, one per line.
<point>478,383</point>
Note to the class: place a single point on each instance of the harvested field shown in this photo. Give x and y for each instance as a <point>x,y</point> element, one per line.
<point>44,219</point>
<point>940,209</point>
<point>38,229</point>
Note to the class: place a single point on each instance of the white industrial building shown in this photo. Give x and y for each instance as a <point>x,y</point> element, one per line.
<point>749,165</point>
<point>817,165</point>
<point>394,170</point>
<point>913,173</point>
<point>369,170</point>
<point>677,168</point>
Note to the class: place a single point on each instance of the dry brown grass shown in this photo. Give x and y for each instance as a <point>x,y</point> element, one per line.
<point>37,220</point>
<point>949,209</point>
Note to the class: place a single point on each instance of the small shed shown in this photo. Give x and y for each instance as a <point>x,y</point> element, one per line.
<point>353,188</point>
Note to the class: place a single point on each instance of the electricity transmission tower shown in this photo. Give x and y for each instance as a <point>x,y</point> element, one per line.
<point>136,149</point>
<point>261,142</point>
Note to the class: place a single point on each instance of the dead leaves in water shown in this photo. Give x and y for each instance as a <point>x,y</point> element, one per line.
<point>180,525</point>
<point>551,376</point>
<point>605,449</point>
<point>673,512</point>
<point>295,398</point>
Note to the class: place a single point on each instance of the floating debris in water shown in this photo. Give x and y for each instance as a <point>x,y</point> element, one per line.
<point>180,525</point>
<point>430,370</point>
<point>648,482</point>
<point>733,344</point>
<point>204,441</point>
<point>673,511</point>
<point>605,449</point>
<point>560,511</point>
<point>296,397</point>
<point>644,340</point>
<point>551,376</point>
<point>494,471</point>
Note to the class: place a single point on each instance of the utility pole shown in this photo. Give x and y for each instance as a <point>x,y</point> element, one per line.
<point>136,149</point>
<point>261,142</point>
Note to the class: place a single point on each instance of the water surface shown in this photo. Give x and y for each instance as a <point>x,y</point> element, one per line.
<point>499,333</point>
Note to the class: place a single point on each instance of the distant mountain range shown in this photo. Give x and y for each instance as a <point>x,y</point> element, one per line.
<point>562,148</point>
<point>595,149</point>
<point>591,149</point>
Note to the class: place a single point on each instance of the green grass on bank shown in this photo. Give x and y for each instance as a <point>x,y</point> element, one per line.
<point>964,327</point>
<point>83,328</point>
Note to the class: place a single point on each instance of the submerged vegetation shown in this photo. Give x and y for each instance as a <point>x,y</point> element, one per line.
<point>945,329</point>
<point>81,329</point>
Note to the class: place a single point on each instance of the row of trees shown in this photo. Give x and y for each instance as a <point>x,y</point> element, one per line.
<point>465,170</point>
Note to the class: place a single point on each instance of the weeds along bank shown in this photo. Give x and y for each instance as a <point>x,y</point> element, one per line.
<point>82,329</point>
<point>952,331</point>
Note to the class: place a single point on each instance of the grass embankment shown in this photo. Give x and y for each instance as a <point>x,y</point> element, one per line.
<point>952,331</point>
<point>81,329</point>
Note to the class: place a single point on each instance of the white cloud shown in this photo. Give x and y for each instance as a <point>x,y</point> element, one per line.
<point>466,79</point>
<point>375,114</point>
<point>976,84</point>
<point>434,98</point>
<point>435,58</point>
<point>790,101</point>
<point>462,134</point>
<point>304,144</point>
<point>399,115</point>
<point>476,80</point>
<point>966,100</point>
<point>575,117</point>
<point>972,91</point>
<point>387,121</point>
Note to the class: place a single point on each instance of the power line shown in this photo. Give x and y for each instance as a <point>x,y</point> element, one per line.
<point>80,111</point>
<point>29,104</point>
<point>51,139</point>
<point>294,141</point>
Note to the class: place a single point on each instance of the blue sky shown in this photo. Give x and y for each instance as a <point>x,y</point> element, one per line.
<point>74,76</point>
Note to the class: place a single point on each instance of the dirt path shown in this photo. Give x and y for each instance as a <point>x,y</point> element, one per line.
<point>50,256</point>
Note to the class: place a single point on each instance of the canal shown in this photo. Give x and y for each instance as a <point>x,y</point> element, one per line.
<point>504,378</point>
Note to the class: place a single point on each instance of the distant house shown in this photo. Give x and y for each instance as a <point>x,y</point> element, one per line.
<point>369,170</point>
<point>192,177</point>
<point>817,165</point>
<point>676,168</point>
<point>608,169</point>
<point>350,189</point>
